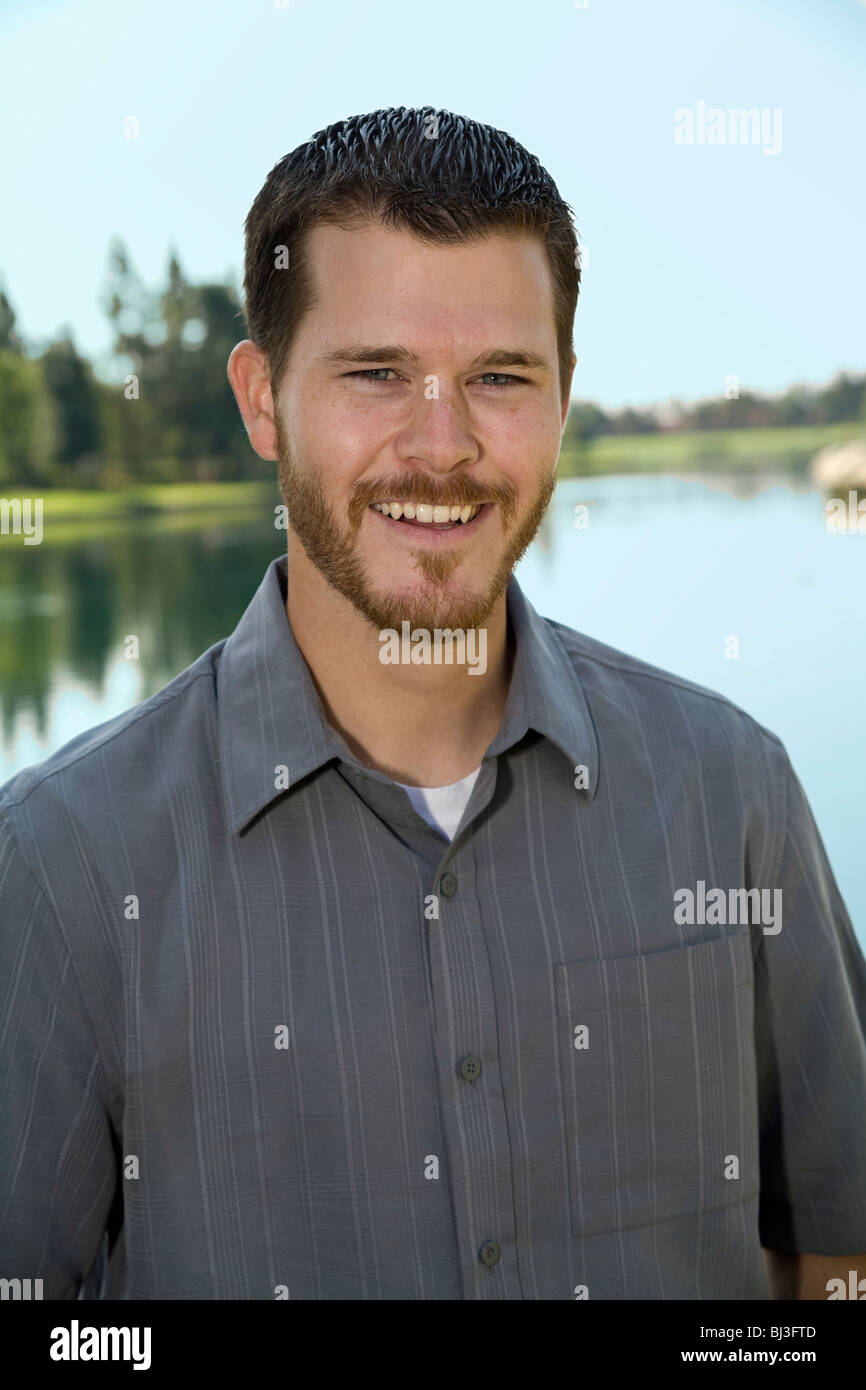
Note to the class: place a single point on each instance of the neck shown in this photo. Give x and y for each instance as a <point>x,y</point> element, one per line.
<point>425,725</point>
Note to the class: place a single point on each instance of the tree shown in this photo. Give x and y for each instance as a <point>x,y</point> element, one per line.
<point>28,435</point>
<point>584,422</point>
<point>9,339</point>
<point>69,379</point>
<point>842,398</point>
<point>131,423</point>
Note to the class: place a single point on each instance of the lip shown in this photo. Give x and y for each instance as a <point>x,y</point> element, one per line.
<point>429,535</point>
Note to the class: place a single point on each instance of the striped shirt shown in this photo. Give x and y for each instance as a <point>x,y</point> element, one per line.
<point>266,1033</point>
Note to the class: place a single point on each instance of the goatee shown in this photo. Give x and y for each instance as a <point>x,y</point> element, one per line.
<point>332,547</point>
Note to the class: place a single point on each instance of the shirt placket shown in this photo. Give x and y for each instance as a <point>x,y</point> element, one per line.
<point>478,1158</point>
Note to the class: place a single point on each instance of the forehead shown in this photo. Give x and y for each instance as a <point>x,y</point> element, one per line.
<point>498,282</point>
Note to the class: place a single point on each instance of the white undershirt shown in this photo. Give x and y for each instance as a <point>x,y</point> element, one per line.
<point>443,807</point>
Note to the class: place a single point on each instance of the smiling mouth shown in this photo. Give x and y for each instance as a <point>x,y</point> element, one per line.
<point>434,518</point>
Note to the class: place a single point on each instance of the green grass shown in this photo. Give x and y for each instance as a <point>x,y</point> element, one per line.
<point>746,450</point>
<point>153,499</point>
<point>749,450</point>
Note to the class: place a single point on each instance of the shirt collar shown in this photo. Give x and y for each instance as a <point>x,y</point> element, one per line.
<point>272,728</point>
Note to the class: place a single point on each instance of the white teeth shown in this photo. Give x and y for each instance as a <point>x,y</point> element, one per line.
<point>426,513</point>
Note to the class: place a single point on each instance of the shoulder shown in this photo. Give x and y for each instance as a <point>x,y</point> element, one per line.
<point>108,765</point>
<point>639,702</point>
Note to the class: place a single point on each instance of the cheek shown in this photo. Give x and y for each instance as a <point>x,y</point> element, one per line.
<point>342,434</point>
<point>529,426</point>
<point>328,442</point>
<point>525,446</point>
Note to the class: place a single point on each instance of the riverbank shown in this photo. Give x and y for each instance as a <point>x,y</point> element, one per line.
<point>153,499</point>
<point>749,451</point>
<point>746,451</point>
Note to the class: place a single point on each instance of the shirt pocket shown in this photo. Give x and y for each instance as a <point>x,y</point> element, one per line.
<point>658,1083</point>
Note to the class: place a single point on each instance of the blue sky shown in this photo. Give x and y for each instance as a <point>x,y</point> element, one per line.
<point>704,260</point>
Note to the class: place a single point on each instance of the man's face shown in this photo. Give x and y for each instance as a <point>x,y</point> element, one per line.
<point>405,385</point>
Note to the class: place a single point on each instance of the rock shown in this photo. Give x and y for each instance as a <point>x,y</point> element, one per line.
<point>840,465</point>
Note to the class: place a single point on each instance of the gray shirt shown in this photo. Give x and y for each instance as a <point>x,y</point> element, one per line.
<point>266,1033</point>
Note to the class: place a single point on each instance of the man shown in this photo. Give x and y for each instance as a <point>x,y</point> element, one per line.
<point>339,971</point>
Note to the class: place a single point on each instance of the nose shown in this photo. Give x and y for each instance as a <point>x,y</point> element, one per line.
<point>439,435</point>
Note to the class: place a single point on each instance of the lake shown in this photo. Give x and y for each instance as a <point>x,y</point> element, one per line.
<point>734,583</point>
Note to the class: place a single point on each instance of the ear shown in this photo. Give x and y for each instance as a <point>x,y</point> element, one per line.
<point>566,389</point>
<point>249,377</point>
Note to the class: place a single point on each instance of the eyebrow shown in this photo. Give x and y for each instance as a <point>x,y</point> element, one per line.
<point>491,357</point>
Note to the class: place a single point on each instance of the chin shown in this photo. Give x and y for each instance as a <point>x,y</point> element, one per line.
<point>427,606</point>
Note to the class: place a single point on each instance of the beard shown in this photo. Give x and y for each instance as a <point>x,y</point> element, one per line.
<point>432,603</point>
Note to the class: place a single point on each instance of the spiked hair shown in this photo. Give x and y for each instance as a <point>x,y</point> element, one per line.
<point>440,176</point>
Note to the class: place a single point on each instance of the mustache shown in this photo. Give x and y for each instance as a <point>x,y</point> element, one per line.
<point>458,491</point>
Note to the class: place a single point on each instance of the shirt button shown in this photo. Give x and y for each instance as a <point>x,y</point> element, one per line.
<point>490,1253</point>
<point>470,1068</point>
<point>448,884</point>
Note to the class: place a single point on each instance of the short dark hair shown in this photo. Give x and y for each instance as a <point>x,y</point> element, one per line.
<point>443,177</point>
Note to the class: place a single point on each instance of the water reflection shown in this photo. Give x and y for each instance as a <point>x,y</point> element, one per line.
<point>66,608</point>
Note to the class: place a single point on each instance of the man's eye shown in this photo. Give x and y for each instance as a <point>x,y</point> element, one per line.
<point>504,381</point>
